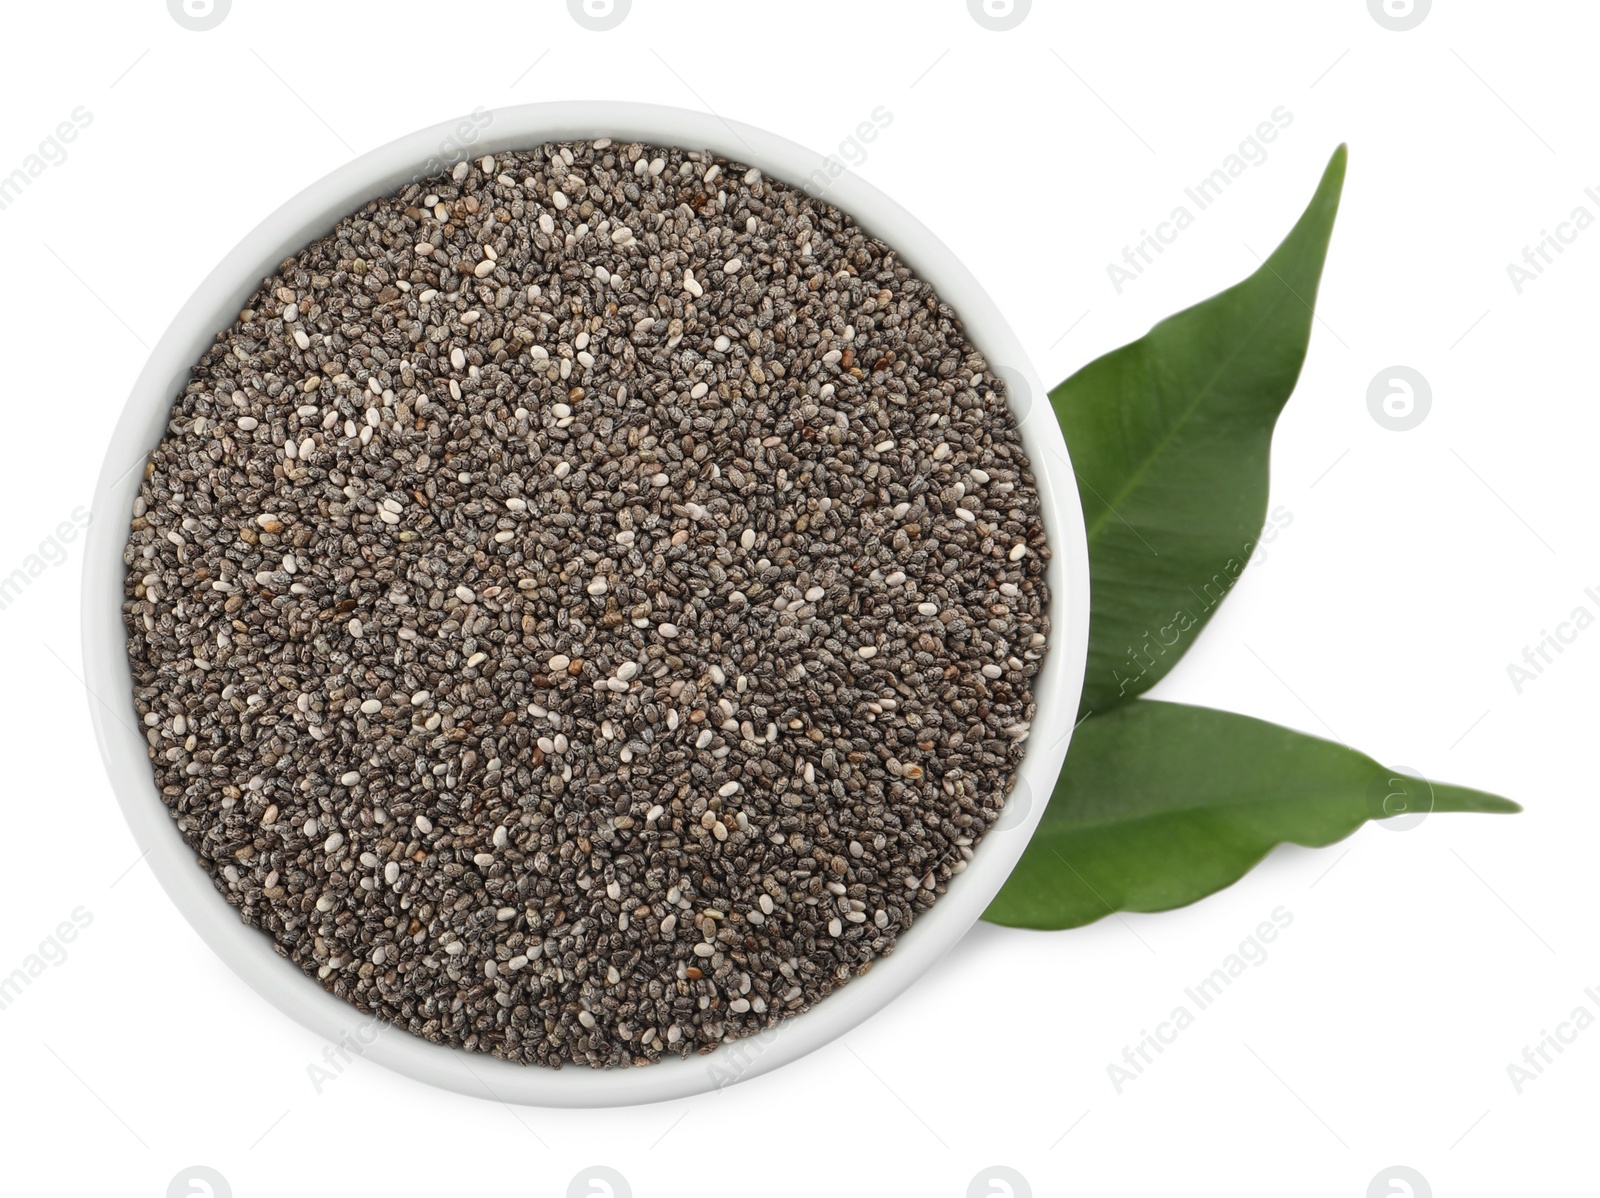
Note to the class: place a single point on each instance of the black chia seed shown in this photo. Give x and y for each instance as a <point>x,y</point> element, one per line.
<point>585,607</point>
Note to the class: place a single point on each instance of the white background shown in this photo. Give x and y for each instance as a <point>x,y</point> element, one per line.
<point>1417,566</point>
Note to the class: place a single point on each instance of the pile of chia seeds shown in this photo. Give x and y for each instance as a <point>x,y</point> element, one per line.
<point>584,609</point>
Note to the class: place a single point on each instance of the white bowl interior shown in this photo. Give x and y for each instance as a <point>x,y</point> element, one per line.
<point>216,304</point>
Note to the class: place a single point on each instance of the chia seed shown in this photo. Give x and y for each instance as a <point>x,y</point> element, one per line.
<point>584,609</point>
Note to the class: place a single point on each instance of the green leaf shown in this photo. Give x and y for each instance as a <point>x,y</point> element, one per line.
<point>1170,439</point>
<point>1160,804</point>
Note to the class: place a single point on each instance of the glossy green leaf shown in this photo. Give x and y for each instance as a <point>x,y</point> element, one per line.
<point>1161,804</point>
<point>1170,438</point>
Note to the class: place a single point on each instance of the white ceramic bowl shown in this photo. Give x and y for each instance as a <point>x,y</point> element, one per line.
<point>213,308</point>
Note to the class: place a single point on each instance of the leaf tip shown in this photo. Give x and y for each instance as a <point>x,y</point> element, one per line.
<point>1333,174</point>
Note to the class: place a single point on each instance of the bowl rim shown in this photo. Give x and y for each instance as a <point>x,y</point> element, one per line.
<point>213,307</point>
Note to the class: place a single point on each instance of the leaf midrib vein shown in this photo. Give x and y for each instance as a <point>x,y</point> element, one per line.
<point>1161,447</point>
<point>1187,808</point>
